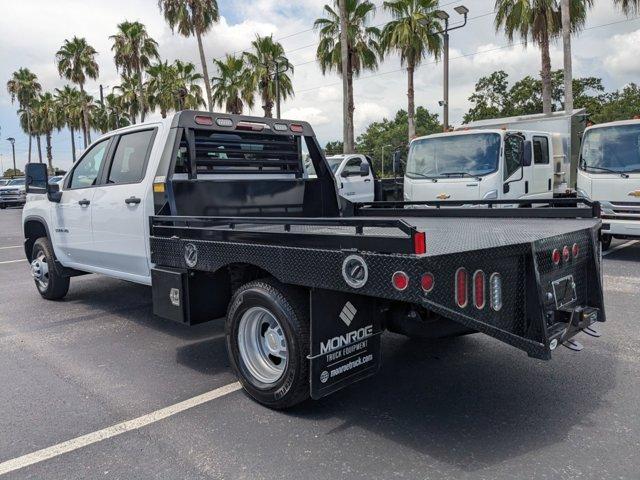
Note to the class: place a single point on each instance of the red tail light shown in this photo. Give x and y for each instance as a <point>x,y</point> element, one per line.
<point>400,281</point>
<point>462,281</point>
<point>565,253</point>
<point>419,243</point>
<point>555,257</point>
<point>426,282</point>
<point>479,289</point>
<point>296,128</point>
<point>251,126</point>
<point>575,249</point>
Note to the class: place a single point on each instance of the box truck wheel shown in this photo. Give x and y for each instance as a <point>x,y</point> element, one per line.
<point>49,282</point>
<point>606,242</point>
<point>267,332</point>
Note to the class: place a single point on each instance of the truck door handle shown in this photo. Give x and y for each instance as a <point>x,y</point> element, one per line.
<point>84,202</point>
<point>132,201</point>
<point>367,179</point>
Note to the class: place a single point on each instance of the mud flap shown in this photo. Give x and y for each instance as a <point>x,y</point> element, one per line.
<point>345,340</point>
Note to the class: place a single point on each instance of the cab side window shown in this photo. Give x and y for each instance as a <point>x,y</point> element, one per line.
<point>86,171</point>
<point>513,147</point>
<point>352,168</point>
<point>541,150</point>
<point>130,157</point>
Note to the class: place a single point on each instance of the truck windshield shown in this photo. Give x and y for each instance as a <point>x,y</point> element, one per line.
<point>334,163</point>
<point>614,149</point>
<point>469,154</point>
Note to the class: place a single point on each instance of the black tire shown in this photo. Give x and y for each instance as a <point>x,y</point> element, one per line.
<point>606,242</point>
<point>57,285</point>
<point>290,307</point>
<point>2,207</point>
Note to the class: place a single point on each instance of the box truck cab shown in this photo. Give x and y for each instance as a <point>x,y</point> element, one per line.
<point>492,164</point>
<point>609,172</point>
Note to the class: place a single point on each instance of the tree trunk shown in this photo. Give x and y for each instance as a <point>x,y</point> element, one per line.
<point>205,72</point>
<point>411,107</point>
<point>545,73</point>
<point>347,81</point>
<point>566,44</point>
<point>49,154</point>
<point>39,148</point>
<point>73,144</point>
<point>29,132</point>
<point>85,118</point>
<point>143,104</point>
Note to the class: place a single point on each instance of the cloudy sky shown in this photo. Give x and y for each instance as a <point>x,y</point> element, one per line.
<point>31,31</point>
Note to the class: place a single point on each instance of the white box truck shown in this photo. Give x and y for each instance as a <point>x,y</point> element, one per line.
<point>527,157</point>
<point>609,172</point>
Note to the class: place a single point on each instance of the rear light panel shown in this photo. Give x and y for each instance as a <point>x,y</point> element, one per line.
<point>495,291</point>
<point>566,254</point>
<point>575,250</point>
<point>461,287</point>
<point>224,122</point>
<point>203,120</point>
<point>251,126</point>
<point>427,282</point>
<point>419,243</point>
<point>479,289</point>
<point>556,256</point>
<point>296,128</point>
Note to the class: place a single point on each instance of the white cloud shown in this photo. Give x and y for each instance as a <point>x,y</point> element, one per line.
<point>624,59</point>
<point>315,116</point>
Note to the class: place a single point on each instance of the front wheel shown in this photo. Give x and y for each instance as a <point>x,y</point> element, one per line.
<point>49,281</point>
<point>606,242</point>
<point>267,332</point>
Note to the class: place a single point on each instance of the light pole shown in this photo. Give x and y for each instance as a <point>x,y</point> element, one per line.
<point>442,15</point>
<point>277,74</point>
<point>12,141</point>
<point>383,147</point>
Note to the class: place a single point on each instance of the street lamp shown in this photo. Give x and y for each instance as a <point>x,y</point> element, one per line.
<point>442,15</point>
<point>279,70</point>
<point>12,141</point>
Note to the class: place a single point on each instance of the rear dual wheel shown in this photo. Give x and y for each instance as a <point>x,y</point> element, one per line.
<point>606,242</point>
<point>267,332</point>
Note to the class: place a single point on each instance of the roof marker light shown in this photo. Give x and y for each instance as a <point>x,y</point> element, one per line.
<point>296,128</point>
<point>224,122</point>
<point>280,127</point>
<point>251,126</point>
<point>203,120</point>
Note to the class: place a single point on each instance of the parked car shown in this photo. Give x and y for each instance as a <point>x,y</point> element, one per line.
<point>13,193</point>
<point>55,180</point>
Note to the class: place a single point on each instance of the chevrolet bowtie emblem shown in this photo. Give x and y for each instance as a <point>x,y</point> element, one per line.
<point>635,193</point>
<point>443,196</point>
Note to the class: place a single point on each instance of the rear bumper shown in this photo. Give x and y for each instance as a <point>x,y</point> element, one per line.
<point>623,228</point>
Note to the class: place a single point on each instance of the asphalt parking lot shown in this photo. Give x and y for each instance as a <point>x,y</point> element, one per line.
<point>468,407</point>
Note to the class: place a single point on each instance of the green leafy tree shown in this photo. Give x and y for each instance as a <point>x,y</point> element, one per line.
<point>620,105</point>
<point>193,17</point>
<point>414,34</point>
<point>190,92</point>
<point>110,114</point>
<point>265,56</point>
<point>233,87</point>
<point>49,118</point>
<point>363,47</point>
<point>628,7</point>
<point>24,87</point>
<point>490,98</point>
<point>76,61</point>
<point>128,95</point>
<point>333,148</point>
<point>10,173</point>
<point>133,51</point>
<point>162,87</point>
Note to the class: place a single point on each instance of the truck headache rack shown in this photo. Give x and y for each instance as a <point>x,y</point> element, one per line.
<point>558,208</point>
<point>382,235</point>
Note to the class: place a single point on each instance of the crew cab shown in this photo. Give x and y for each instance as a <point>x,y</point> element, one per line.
<point>217,214</point>
<point>13,193</point>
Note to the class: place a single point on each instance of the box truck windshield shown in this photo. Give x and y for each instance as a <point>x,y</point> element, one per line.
<point>473,154</point>
<point>613,149</point>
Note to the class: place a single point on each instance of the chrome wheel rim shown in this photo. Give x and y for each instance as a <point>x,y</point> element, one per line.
<point>262,345</point>
<point>40,271</point>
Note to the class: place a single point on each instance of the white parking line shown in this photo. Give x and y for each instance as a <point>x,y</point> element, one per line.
<point>12,246</point>
<point>14,261</point>
<point>109,432</point>
<point>620,247</point>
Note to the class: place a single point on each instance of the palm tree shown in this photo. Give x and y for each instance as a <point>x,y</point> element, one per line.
<point>129,96</point>
<point>109,114</point>
<point>193,17</point>
<point>76,62</point>
<point>263,60</point>
<point>30,124</point>
<point>363,48</point>
<point>24,86</point>
<point>414,34</point>
<point>49,118</point>
<point>539,21</point>
<point>233,88</point>
<point>628,7</point>
<point>133,51</point>
<point>162,87</point>
<point>190,91</point>
<point>70,103</point>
